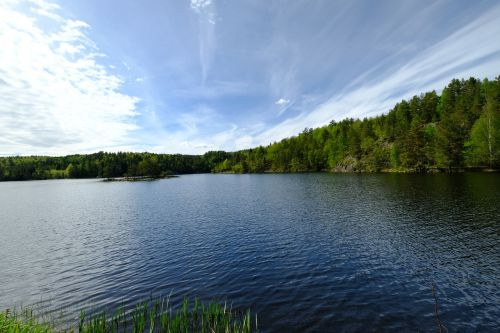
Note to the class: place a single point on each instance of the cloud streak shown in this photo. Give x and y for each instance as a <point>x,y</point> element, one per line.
<point>470,51</point>
<point>206,12</point>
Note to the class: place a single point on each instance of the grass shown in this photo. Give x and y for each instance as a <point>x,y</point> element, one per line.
<point>22,321</point>
<point>149,316</point>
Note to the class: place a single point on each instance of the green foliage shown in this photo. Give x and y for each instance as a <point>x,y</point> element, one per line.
<point>483,148</point>
<point>22,322</point>
<point>238,168</point>
<point>148,166</point>
<point>106,165</point>
<point>150,316</point>
<point>224,166</point>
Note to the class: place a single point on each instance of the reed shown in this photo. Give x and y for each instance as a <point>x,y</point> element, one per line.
<point>22,321</point>
<point>149,316</point>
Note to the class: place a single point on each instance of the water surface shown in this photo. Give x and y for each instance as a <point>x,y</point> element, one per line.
<point>306,252</point>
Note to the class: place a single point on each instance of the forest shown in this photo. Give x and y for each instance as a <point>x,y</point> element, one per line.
<point>457,130</point>
<point>105,165</point>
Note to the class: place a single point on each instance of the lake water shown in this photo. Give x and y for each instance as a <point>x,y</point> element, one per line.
<point>306,252</point>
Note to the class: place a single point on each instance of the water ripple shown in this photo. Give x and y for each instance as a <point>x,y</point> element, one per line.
<point>308,252</point>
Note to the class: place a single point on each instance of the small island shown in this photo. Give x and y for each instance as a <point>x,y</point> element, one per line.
<point>137,178</point>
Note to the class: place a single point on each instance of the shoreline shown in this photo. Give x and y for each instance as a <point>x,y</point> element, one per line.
<point>432,171</point>
<point>134,179</point>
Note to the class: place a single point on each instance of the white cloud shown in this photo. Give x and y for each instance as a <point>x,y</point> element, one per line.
<point>139,79</point>
<point>200,4</point>
<point>56,97</point>
<point>282,101</point>
<point>284,104</point>
<point>192,138</point>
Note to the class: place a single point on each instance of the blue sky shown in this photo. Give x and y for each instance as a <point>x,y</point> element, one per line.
<point>188,76</point>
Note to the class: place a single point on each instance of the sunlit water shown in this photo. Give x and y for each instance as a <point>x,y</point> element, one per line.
<point>306,252</point>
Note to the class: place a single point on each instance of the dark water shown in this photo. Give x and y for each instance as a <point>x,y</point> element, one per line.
<point>306,252</point>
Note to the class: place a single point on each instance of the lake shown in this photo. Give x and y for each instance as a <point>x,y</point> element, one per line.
<point>306,252</point>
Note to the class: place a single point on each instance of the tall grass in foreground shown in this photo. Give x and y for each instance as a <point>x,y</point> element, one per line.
<point>22,321</point>
<point>150,316</point>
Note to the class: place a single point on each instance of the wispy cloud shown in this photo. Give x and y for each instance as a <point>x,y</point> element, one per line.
<point>56,96</point>
<point>206,11</point>
<point>47,9</point>
<point>470,51</point>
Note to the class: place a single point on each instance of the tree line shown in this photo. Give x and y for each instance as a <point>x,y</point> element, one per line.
<point>104,165</point>
<point>458,129</point>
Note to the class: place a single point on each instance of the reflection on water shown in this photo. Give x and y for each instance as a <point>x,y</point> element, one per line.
<point>307,252</point>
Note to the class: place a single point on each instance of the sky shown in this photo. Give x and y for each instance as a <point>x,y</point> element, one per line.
<point>189,76</point>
